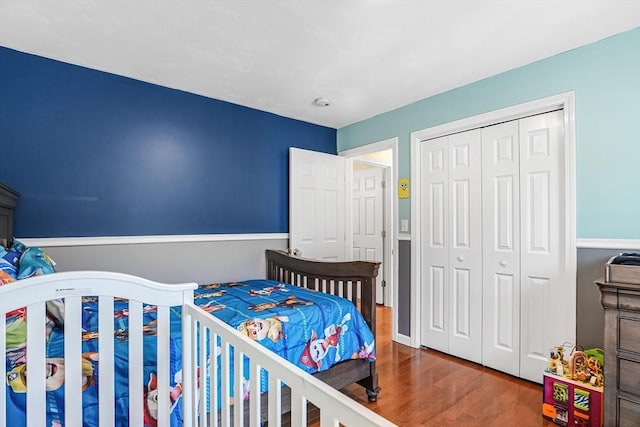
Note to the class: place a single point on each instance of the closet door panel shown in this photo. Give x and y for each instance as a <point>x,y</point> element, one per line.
<point>465,252</point>
<point>501,247</point>
<point>435,250</point>
<point>545,321</point>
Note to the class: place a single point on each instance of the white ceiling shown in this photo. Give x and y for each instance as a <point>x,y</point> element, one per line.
<point>366,56</point>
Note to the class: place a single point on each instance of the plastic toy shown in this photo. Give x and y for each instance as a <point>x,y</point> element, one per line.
<point>587,366</point>
<point>557,363</point>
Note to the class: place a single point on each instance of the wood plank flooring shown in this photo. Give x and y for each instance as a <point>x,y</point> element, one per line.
<point>425,387</point>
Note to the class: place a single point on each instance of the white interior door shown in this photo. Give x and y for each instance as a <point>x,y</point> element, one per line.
<point>501,243</point>
<point>318,204</point>
<point>547,314</point>
<point>465,250</point>
<point>435,244</point>
<point>368,220</point>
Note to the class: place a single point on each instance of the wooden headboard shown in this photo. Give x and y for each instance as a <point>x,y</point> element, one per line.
<point>8,200</point>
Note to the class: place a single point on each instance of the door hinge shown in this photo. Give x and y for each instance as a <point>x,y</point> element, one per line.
<point>384,283</point>
<point>383,184</point>
<point>383,234</point>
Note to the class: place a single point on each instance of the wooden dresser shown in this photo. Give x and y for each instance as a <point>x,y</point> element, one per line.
<point>621,302</point>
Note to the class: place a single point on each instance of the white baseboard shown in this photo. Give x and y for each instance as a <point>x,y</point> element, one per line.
<point>402,339</point>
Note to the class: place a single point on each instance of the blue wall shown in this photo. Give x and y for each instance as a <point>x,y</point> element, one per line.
<point>95,154</point>
<point>606,79</point>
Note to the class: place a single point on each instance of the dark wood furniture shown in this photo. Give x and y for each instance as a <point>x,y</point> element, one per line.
<point>8,200</point>
<point>355,280</point>
<point>621,302</point>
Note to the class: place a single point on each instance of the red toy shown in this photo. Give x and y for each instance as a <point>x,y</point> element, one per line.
<point>568,402</point>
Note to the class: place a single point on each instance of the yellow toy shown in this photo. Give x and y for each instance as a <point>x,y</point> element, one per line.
<point>403,188</point>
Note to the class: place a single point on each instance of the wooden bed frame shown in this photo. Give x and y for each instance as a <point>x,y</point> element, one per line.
<point>355,280</point>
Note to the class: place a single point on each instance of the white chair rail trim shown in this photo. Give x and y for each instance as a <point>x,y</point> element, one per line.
<point>45,242</point>
<point>626,244</point>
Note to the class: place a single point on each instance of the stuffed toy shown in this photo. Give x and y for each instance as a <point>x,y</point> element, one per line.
<point>33,262</point>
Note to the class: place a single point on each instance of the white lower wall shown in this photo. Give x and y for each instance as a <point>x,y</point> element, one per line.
<point>171,262</point>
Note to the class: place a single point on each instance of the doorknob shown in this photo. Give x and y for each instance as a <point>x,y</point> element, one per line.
<point>503,263</point>
<point>460,258</point>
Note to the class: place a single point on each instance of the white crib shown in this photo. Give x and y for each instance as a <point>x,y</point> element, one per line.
<point>199,403</point>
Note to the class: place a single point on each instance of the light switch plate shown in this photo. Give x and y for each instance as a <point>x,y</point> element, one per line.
<point>404,225</point>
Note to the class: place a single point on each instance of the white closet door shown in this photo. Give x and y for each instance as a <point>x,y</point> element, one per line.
<point>546,319</point>
<point>435,249</point>
<point>465,246</point>
<point>501,242</point>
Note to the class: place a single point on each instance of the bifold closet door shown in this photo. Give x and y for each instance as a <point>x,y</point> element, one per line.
<point>452,227</point>
<point>501,243</point>
<point>523,222</point>
<point>435,245</point>
<point>545,321</point>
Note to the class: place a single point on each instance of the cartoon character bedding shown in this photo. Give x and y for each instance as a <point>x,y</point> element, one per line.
<point>311,329</point>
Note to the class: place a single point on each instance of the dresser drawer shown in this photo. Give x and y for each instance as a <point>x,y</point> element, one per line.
<point>630,377</point>
<point>629,300</point>
<point>629,335</point>
<point>628,413</point>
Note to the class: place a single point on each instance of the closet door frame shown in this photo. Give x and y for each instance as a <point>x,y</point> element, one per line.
<point>564,101</point>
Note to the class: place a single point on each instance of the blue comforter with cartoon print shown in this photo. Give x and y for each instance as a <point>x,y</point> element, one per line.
<point>310,329</point>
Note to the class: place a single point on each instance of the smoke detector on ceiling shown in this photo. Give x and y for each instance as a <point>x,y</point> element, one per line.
<point>321,102</point>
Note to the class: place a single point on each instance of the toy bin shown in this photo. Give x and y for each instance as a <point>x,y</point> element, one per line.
<point>571,403</point>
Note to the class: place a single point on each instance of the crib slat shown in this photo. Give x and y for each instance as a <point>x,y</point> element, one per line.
<point>199,333</point>
<point>224,386</point>
<point>135,364</point>
<point>36,386</point>
<point>274,400</point>
<point>254,393</point>
<point>213,378</point>
<point>327,420</point>
<point>73,361</point>
<point>298,408</point>
<point>238,395</point>
<point>188,357</point>
<point>3,365</point>
<point>106,390</point>
<point>162,368</point>
<point>201,375</point>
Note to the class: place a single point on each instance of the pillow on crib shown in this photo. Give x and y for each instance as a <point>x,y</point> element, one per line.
<point>9,262</point>
<point>34,262</point>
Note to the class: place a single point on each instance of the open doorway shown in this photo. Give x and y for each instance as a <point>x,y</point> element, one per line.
<point>370,162</point>
<point>369,225</point>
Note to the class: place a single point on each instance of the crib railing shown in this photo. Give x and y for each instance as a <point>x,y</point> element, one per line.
<point>30,298</point>
<point>209,405</point>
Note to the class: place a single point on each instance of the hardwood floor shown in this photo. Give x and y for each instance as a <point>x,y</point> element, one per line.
<point>425,387</point>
